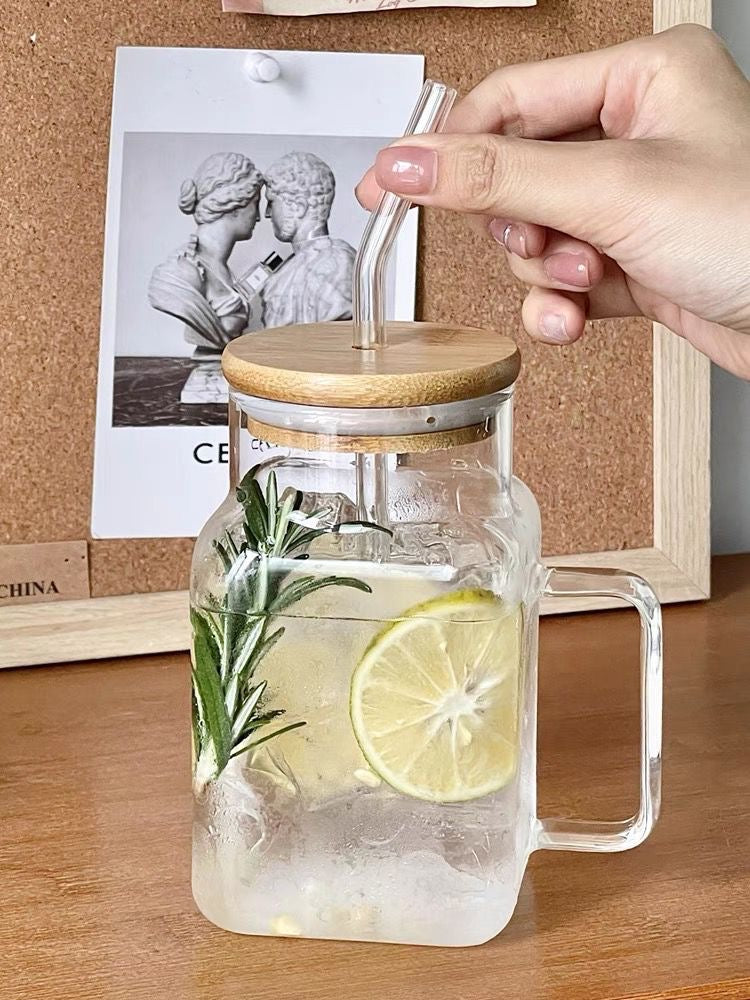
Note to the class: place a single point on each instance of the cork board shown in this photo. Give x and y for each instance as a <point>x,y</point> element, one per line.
<point>58,58</point>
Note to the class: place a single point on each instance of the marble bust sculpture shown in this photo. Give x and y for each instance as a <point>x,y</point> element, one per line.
<point>196,284</point>
<point>314,285</point>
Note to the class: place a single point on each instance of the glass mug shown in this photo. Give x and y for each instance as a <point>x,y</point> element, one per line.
<point>365,609</point>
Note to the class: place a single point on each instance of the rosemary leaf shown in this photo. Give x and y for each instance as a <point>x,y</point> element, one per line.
<point>309,519</point>
<point>231,638</point>
<point>257,722</point>
<point>250,537</point>
<point>231,547</point>
<point>264,739</point>
<point>247,645</point>
<point>226,559</point>
<point>264,645</point>
<point>196,718</point>
<point>243,490</point>
<point>215,626</point>
<point>300,536</point>
<point>257,507</point>
<point>255,523</point>
<point>234,622</point>
<point>277,732</point>
<point>272,504</point>
<point>214,725</point>
<point>285,509</point>
<point>263,648</point>
<point>247,710</point>
<point>357,527</point>
<point>308,585</point>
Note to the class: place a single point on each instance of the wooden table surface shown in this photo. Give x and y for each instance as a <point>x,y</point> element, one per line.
<point>95,838</point>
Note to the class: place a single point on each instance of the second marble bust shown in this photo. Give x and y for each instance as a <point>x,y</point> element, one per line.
<point>314,285</point>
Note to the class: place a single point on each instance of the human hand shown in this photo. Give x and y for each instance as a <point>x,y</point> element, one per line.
<point>654,221</point>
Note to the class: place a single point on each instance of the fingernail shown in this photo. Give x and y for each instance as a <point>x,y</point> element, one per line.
<point>552,327</point>
<point>510,235</point>
<point>406,169</point>
<point>568,268</point>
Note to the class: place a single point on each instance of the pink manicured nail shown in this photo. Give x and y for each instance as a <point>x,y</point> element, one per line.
<point>552,327</point>
<point>406,169</point>
<point>568,269</point>
<point>511,236</point>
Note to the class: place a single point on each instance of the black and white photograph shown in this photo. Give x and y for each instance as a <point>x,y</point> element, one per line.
<point>222,235</point>
<point>231,209</point>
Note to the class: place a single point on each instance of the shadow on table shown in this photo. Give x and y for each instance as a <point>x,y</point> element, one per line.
<point>729,574</point>
<point>556,895</point>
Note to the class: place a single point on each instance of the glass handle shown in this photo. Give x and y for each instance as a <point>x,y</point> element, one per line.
<point>588,835</point>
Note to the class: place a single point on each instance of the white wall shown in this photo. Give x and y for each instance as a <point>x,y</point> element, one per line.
<point>730,396</point>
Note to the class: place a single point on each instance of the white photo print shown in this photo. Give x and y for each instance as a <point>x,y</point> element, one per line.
<point>231,209</point>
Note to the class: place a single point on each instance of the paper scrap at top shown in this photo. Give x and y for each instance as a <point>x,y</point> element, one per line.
<point>302,7</point>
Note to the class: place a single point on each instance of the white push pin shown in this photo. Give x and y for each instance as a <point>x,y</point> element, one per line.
<point>261,67</point>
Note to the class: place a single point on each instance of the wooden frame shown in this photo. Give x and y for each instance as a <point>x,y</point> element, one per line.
<point>677,565</point>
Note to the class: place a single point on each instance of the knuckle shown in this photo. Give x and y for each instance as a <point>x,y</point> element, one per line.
<point>690,47</point>
<point>477,177</point>
<point>692,36</point>
<point>506,101</point>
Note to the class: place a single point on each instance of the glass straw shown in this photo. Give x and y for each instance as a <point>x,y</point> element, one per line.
<point>368,309</point>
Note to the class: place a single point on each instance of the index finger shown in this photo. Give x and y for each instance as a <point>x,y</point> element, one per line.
<point>542,100</point>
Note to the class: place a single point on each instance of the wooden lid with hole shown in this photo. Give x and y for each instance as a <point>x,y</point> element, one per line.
<point>423,364</point>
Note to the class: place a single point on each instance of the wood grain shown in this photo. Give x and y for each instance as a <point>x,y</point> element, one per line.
<point>80,630</point>
<point>738,989</point>
<point>667,13</point>
<point>399,444</point>
<point>422,364</point>
<point>669,582</point>
<point>95,839</point>
<point>682,485</point>
<point>682,412</point>
<point>157,623</point>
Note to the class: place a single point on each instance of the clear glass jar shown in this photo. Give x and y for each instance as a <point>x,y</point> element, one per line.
<point>364,666</point>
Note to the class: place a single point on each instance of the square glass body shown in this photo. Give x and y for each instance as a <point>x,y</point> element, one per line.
<point>302,824</point>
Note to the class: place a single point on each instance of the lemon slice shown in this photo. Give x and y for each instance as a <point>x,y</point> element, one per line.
<point>434,699</point>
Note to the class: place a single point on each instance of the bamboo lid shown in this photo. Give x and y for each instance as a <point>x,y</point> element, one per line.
<point>424,363</point>
<point>399,444</point>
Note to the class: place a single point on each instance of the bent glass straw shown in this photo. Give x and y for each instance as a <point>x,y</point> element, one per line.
<point>368,300</point>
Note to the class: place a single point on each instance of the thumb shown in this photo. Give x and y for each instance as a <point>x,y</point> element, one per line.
<point>580,188</point>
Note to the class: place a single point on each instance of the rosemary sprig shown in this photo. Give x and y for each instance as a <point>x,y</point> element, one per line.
<point>230,641</point>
